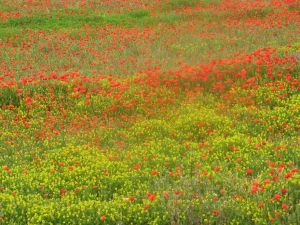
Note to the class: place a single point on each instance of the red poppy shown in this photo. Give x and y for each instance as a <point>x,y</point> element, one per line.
<point>166,194</point>
<point>277,197</point>
<point>137,166</point>
<point>103,218</point>
<point>151,197</point>
<point>5,167</point>
<point>261,205</point>
<point>284,206</point>
<point>154,172</point>
<point>131,198</point>
<point>249,171</point>
<point>216,212</point>
<point>288,175</point>
<point>283,191</point>
<point>63,191</point>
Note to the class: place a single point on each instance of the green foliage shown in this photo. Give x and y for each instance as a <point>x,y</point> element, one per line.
<point>175,4</point>
<point>257,13</point>
<point>58,20</point>
<point>9,96</point>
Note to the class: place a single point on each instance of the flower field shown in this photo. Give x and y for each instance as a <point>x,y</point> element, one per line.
<point>149,112</point>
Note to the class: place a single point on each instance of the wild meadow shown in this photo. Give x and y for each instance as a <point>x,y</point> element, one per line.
<point>149,112</point>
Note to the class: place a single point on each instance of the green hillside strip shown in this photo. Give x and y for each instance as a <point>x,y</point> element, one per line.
<point>16,26</point>
<point>20,26</point>
<point>74,21</point>
<point>59,21</point>
<point>175,4</point>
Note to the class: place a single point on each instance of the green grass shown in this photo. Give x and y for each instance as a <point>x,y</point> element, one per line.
<point>9,96</point>
<point>176,4</point>
<point>75,18</point>
<point>55,21</point>
<point>75,21</point>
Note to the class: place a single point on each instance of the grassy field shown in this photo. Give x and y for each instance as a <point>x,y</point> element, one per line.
<point>149,112</point>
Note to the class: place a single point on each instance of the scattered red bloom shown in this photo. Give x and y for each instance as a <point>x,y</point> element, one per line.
<point>70,167</point>
<point>277,197</point>
<point>63,191</point>
<point>284,206</point>
<point>288,175</point>
<point>137,166</point>
<point>166,194</point>
<point>103,218</point>
<point>216,212</point>
<point>151,196</point>
<point>5,167</point>
<point>283,191</point>
<point>223,191</point>
<point>249,171</point>
<point>131,198</point>
<point>154,172</point>
<point>217,169</point>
